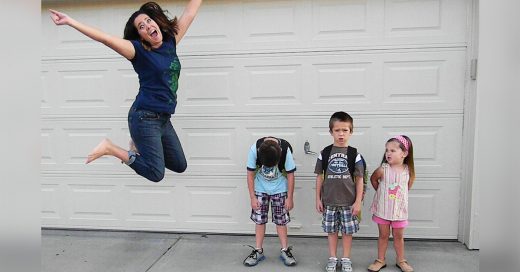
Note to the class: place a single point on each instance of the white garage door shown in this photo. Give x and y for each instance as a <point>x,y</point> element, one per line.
<point>250,69</point>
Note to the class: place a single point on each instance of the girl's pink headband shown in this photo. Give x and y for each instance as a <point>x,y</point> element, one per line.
<point>402,140</point>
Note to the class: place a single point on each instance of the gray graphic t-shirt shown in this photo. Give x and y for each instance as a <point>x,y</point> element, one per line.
<point>338,186</point>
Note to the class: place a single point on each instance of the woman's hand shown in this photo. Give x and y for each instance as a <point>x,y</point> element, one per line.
<point>59,18</point>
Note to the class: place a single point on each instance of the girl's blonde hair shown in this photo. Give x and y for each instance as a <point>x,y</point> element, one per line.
<point>406,145</point>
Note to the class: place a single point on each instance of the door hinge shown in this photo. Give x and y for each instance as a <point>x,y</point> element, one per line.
<point>473,69</point>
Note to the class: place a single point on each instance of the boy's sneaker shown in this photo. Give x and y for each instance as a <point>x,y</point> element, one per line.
<point>332,264</point>
<point>346,265</point>
<point>287,257</point>
<point>255,257</point>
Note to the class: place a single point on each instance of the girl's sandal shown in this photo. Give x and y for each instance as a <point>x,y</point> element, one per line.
<point>376,266</point>
<point>404,266</point>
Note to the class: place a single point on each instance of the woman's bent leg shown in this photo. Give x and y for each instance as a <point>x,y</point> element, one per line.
<point>174,157</point>
<point>145,129</point>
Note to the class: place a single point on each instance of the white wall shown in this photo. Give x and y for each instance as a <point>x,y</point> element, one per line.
<point>496,159</point>
<point>20,137</point>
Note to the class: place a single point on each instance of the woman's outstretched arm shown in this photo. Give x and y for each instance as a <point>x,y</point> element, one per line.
<point>120,45</point>
<point>186,18</point>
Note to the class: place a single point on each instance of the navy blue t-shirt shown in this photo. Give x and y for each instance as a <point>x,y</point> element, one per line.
<point>158,70</point>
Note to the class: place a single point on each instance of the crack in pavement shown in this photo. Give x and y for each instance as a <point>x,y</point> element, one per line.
<point>164,253</point>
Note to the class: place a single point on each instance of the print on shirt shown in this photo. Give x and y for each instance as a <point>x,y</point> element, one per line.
<point>174,73</point>
<point>269,173</point>
<point>393,191</point>
<point>338,166</point>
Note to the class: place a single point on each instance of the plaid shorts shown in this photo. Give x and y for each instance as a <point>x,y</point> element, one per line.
<point>337,218</point>
<point>280,216</point>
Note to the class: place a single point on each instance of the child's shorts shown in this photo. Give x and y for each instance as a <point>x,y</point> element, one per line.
<point>337,218</point>
<point>394,224</point>
<point>280,216</point>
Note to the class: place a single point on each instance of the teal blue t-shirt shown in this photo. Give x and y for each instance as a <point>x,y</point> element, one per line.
<point>270,180</point>
<point>158,71</point>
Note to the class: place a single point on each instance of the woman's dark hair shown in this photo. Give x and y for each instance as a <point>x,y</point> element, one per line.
<point>269,153</point>
<point>167,26</point>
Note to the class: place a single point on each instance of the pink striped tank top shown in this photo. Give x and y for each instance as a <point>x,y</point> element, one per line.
<point>391,198</point>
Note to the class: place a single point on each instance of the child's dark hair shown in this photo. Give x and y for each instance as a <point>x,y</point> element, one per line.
<point>341,116</point>
<point>269,153</point>
<point>168,26</point>
<point>406,146</point>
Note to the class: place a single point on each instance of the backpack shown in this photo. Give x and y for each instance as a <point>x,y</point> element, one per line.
<point>283,144</point>
<point>351,162</point>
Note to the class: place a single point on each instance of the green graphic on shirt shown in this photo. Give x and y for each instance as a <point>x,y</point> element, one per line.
<point>174,73</point>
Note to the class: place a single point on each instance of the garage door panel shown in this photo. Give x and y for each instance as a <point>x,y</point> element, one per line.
<point>437,143</point>
<point>93,87</point>
<point>336,17</point>
<point>52,197</point>
<point>66,41</point>
<point>412,81</point>
<point>431,202</point>
<point>419,81</point>
<point>212,146</point>
<point>343,83</point>
<point>419,19</point>
<point>275,25</point>
<point>92,204</point>
<point>251,69</point>
<point>274,85</point>
<point>437,140</point>
<point>66,144</point>
<point>142,208</point>
<point>398,81</point>
<point>219,145</point>
<point>209,86</point>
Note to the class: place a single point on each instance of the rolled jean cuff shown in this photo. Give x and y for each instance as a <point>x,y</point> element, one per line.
<point>131,157</point>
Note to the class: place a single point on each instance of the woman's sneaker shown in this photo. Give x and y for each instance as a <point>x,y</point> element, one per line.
<point>332,264</point>
<point>287,257</point>
<point>255,257</point>
<point>346,265</point>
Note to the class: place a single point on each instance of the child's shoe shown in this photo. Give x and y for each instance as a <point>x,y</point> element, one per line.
<point>287,257</point>
<point>331,264</point>
<point>376,266</point>
<point>255,257</point>
<point>404,266</point>
<point>346,265</point>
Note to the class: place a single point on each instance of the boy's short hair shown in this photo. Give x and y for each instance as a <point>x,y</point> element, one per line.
<point>269,153</point>
<point>341,116</point>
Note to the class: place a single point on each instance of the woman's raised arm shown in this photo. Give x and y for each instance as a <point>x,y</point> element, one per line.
<point>120,45</point>
<point>186,18</point>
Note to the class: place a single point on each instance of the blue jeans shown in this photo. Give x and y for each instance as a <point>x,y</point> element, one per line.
<point>157,144</point>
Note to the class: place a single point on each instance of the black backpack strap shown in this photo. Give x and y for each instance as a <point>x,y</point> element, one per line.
<point>325,154</point>
<point>258,143</point>
<point>351,160</point>
<point>284,145</point>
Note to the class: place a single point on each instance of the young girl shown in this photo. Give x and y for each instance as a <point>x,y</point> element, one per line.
<point>149,43</point>
<point>392,180</point>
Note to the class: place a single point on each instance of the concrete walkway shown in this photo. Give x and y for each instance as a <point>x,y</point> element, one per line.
<point>82,251</point>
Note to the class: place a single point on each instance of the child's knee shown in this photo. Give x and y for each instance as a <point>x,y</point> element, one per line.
<point>398,235</point>
<point>384,236</point>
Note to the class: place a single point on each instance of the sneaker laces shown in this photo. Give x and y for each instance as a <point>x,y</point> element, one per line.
<point>332,262</point>
<point>288,252</point>
<point>253,254</point>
